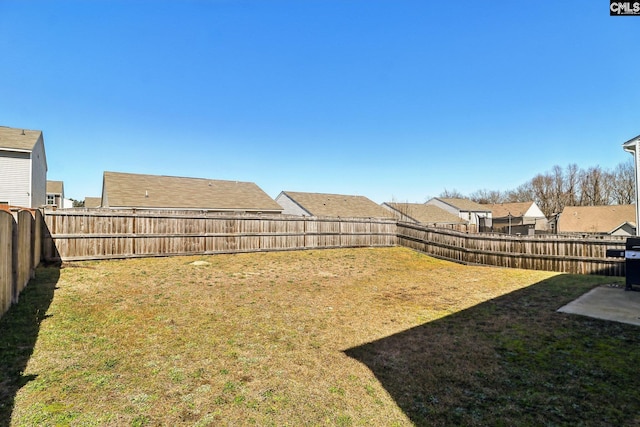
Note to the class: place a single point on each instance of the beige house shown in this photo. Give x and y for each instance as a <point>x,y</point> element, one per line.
<point>128,190</point>
<point>518,218</point>
<point>424,214</point>
<point>332,205</point>
<point>477,215</point>
<point>23,166</point>
<point>616,220</point>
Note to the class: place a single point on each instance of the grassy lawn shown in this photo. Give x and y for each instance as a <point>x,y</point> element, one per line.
<point>345,337</point>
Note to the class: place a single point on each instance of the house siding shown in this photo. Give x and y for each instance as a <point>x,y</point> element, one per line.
<point>15,178</point>
<point>38,175</point>
<point>625,230</point>
<point>289,206</point>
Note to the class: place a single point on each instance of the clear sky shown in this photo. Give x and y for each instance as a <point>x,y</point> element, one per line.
<point>390,99</point>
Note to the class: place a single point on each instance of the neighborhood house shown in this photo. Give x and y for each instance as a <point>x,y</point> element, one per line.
<point>23,181</point>
<point>332,205</point>
<point>518,218</point>
<point>616,220</point>
<point>477,215</point>
<point>128,190</point>
<point>425,214</point>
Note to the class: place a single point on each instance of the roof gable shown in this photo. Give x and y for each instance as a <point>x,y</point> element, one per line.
<point>338,205</point>
<point>170,192</point>
<point>18,139</point>
<point>595,219</point>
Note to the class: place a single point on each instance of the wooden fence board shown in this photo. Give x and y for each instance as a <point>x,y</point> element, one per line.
<point>7,225</point>
<point>86,234</point>
<point>569,254</point>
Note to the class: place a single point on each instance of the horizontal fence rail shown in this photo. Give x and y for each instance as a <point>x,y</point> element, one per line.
<point>565,254</point>
<point>101,234</point>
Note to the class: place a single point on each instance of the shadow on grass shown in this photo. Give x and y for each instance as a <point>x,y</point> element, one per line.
<point>19,329</point>
<point>514,360</point>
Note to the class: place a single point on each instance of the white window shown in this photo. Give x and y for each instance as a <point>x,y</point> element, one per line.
<point>51,199</point>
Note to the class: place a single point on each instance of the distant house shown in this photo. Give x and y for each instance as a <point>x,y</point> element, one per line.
<point>476,214</point>
<point>332,205</point>
<point>92,202</point>
<point>55,193</point>
<point>425,214</point>
<point>616,220</point>
<point>23,181</point>
<point>517,218</point>
<point>128,190</point>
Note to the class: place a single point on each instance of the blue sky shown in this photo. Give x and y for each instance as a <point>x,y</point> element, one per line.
<point>390,99</point>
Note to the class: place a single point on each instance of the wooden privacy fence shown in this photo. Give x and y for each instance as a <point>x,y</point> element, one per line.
<point>102,234</point>
<point>20,252</point>
<point>565,254</point>
<point>74,235</point>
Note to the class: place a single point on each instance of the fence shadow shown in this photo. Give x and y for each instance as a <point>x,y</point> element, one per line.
<point>19,328</point>
<point>513,360</point>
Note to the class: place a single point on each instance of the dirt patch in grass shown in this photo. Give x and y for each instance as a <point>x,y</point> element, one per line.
<point>335,337</point>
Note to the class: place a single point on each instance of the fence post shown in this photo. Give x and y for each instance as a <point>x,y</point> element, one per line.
<point>14,263</point>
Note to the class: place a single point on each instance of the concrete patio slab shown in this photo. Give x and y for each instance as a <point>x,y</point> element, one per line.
<point>607,302</point>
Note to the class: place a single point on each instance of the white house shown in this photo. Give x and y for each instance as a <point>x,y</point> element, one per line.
<point>519,217</point>
<point>23,168</point>
<point>55,195</point>
<point>476,214</point>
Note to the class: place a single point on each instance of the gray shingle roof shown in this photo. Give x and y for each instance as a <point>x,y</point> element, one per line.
<point>465,205</point>
<point>92,202</point>
<point>595,219</point>
<point>170,192</point>
<point>18,139</point>
<point>501,210</point>
<point>54,187</point>
<point>338,205</point>
<point>426,214</point>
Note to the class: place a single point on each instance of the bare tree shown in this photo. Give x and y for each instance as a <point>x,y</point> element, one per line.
<point>542,186</point>
<point>623,191</point>
<point>451,194</point>
<point>593,190</point>
<point>487,197</point>
<point>523,193</point>
<point>571,178</point>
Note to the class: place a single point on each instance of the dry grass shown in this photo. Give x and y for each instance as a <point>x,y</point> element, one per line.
<point>335,337</point>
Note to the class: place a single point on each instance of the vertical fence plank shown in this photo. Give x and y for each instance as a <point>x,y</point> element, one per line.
<point>7,225</point>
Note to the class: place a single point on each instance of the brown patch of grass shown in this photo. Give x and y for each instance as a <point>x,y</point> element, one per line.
<point>261,339</point>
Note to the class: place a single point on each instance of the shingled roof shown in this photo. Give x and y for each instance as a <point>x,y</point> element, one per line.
<point>338,205</point>
<point>426,214</point>
<point>18,139</point>
<point>595,219</point>
<point>502,210</point>
<point>55,187</point>
<point>92,202</point>
<point>465,205</point>
<point>129,190</point>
